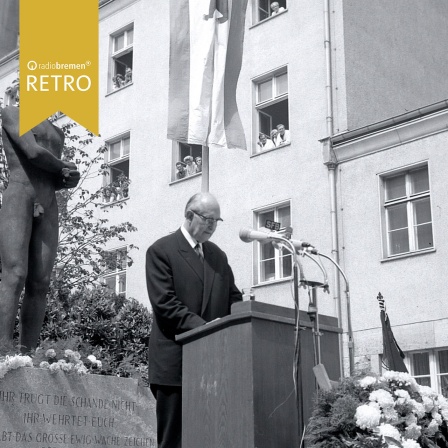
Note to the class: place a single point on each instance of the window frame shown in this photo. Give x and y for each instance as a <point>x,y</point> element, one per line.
<point>114,55</point>
<point>409,199</point>
<point>176,157</point>
<point>117,272</point>
<point>278,256</point>
<point>108,178</point>
<point>260,106</point>
<point>434,366</point>
<point>256,11</point>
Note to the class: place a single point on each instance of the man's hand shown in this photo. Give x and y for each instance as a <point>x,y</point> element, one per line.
<point>70,175</point>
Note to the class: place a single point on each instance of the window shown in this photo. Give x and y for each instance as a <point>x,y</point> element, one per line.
<point>271,105</point>
<point>116,185</point>
<point>115,274</point>
<point>407,209</point>
<point>122,53</point>
<point>430,368</point>
<point>268,8</point>
<point>272,264</point>
<point>183,167</point>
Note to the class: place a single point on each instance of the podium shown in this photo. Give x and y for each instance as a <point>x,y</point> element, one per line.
<point>237,387</point>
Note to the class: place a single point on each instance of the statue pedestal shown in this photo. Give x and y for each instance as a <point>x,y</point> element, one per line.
<point>39,409</point>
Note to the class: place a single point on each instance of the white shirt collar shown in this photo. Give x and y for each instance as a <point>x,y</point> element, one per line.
<point>191,241</point>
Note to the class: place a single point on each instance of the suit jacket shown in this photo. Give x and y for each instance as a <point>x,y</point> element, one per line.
<point>184,293</point>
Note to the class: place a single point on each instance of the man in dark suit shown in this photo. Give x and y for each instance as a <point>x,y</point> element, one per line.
<point>189,284</point>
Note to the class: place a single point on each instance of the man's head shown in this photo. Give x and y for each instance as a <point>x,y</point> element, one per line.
<point>275,6</point>
<point>180,166</point>
<point>201,208</point>
<point>281,129</point>
<point>262,138</point>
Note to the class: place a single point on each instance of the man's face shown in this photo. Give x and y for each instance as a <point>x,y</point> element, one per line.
<point>275,7</point>
<point>281,130</point>
<point>263,138</point>
<point>179,167</point>
<point>199,229</point>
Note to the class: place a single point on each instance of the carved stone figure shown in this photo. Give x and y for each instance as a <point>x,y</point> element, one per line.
<point>29,223</point>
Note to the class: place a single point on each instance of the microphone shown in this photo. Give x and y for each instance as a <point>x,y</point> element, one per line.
<point>298,244</point>
<point>248,235</point>
<point>312,250</point>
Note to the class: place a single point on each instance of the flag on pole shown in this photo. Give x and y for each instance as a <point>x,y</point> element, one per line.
<point>392,354</point>
<point>206,48</point>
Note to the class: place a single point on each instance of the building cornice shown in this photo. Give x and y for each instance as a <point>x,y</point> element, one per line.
<point>386,134</point>
<point>111,7</point>
<point>9,64</point>
<point>9,57</point>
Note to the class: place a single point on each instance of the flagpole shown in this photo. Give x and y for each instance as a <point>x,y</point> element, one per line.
<point>205,170</point>
<point>392,353</point>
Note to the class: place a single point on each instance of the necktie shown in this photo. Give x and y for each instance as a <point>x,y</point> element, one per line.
<point>198,250</point>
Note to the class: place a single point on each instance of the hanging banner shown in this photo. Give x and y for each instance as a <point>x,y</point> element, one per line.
<point>58,62</point>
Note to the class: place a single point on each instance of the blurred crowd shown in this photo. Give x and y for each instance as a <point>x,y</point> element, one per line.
<point>188,167</point>
<point>279,136</point>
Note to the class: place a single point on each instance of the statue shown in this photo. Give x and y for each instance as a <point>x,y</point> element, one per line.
<point>29,223</point>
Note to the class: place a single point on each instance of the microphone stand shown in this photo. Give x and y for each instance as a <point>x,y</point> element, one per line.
<point>297,366</point>
<point>297,355</point>
<point>313,310</point>
<point>351,345</point>
<point>298,277</point>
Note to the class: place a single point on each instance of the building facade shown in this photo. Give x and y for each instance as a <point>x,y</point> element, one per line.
<point>336,74</point>
<point>391,195</point>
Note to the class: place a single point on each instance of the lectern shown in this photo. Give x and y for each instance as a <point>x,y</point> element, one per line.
<point>238,389</point>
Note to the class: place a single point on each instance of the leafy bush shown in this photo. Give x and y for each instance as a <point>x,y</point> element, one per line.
<point>94,321</point>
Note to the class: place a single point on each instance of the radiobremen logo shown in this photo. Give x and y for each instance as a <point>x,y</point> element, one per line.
<point>59,74</point>
<point>56,83</point>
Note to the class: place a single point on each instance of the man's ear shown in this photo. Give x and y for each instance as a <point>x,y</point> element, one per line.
<point>189,215</point>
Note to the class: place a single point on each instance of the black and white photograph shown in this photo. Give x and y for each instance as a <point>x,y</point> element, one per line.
<point>248,250</point>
